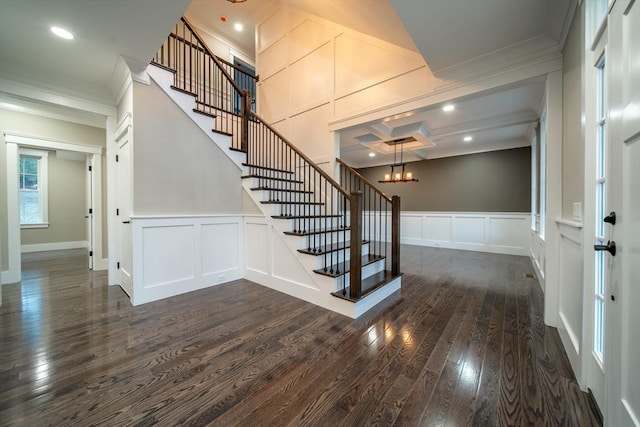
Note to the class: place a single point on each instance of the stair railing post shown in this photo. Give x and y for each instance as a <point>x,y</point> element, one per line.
<point>395,235</point>
<point>355,249</point>
<point>246,109</point>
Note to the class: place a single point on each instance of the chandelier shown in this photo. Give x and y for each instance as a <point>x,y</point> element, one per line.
<point>397,169</point>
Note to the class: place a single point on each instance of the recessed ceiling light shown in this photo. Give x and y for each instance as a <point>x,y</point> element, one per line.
<point>238,26</point>
<point>372,154</point>
<point>468,138</point>
<point>448,107</point>
<point>11,106</point>
<point>62,33</point>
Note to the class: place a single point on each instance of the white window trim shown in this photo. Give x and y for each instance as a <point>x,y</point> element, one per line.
<point>543,174</point>
<point>43,185</point>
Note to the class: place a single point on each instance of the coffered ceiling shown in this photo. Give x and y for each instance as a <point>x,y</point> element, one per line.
<point>498,119</point>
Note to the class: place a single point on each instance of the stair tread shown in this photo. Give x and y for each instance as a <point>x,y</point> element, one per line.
<point>271,178</point>
<point>215,107</point>
<point>205,113</point>
<point>286,190</point>
<point>339,269</point>
<point>164,67</point>
<point>274,202</point>
<point>369,285</point>
<point>329,248</point>
<point>227,134</point>
<point>188,92</point>
<point>249,165</point>
<point>312,232</point>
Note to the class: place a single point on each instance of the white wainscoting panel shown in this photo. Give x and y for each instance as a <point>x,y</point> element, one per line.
<point>258,254</point>
<point>470,230</point>
<point>173,255</point>
<point>438,228</point>
<point>411,228</point>
<point>570,302</point>
<point>216,258</point>
<point>506,233</point>
<point>168,254</point>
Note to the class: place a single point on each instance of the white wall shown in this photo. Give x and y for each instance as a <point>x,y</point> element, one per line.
<point>177,168</point>
<point>313,71</point>
<point>570,313</point>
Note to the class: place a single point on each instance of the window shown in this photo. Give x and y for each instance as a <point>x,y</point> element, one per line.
<point>542,173</point>
<point>600,207</point>
<point>32,183</point>
<point>534,183</point>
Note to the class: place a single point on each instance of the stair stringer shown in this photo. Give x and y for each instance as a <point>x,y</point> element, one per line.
<point>164,79</point>
<point>314,288</point>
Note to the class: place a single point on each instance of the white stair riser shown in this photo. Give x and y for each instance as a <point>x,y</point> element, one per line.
<point>296,210</point>
<point>310,223</point>
<point>323,239</point>
<point>367,271</point>
<point>336,256</point>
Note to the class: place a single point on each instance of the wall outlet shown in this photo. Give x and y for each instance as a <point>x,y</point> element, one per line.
<point>577,211</point>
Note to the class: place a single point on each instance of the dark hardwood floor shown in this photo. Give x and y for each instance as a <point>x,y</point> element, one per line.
<point>464,344</point>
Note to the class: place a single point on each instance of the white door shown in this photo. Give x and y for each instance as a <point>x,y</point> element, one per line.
<point>623,367</point>
<point>89,208</point>
<point>123,216</point>
<point>612,349</point>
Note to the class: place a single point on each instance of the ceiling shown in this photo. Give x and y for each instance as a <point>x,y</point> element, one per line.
<point>451,32</point>
<point>495,120</point>
<point>445,32</point>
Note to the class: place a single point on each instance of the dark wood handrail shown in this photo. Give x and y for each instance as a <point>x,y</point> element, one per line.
<point>303,156</point>
<point>365,180</point>
<point>213,57</point>
<point>201,49</point>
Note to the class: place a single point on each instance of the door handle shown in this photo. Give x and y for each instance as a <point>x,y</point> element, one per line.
<point>126,222</point>
<point>611,218</point>
<point>609,247</point>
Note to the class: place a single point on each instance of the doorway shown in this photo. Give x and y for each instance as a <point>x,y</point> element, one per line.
<point>93,162</point>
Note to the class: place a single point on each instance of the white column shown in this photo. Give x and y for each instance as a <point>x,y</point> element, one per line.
<point>553,205</point>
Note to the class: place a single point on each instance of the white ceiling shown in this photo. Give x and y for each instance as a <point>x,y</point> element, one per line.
<point>496,120</point>
<point>208,13</point>
<point>104,30</point>
<point>449,32</point>
<point>446,32</point>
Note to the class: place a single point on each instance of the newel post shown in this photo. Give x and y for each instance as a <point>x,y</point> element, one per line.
<point>246,109</point>
<point>395,235</point>
<point>355,250</point>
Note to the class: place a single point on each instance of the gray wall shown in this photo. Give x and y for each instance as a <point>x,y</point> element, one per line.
<point>36,126</point>
<point>496,181</point>
<point>178,170</point>
<point>573,137</point>
<point>67,201</point>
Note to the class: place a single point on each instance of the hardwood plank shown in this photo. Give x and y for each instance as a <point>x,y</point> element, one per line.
<point>465,344</point>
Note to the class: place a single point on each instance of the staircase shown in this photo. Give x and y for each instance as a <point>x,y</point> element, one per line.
<point>346,235</point>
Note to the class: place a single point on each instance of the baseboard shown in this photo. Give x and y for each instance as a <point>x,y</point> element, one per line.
<point>538,272</point>
<point>493,249</point>
<point>100,264</point>
<point>595,408</point>
<point>7,277</point>
<point>56,246</point>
